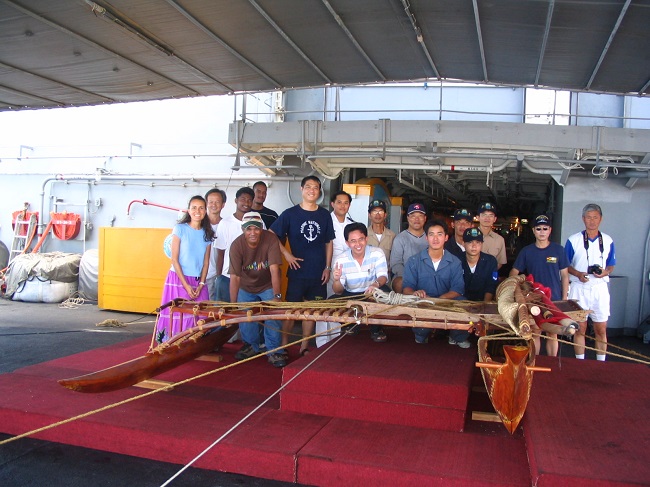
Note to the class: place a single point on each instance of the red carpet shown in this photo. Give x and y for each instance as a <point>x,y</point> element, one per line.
<point>355,453</point>
<point>587,424</point>
<point>383,414</point>
<point>398,382</point>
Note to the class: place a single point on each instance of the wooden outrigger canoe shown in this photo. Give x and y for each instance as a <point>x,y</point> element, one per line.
<point>508,380</point>
<point>218,322</point>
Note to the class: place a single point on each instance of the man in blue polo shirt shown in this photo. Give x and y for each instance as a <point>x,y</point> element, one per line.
<point>548,264</point>
<point>433,272</point>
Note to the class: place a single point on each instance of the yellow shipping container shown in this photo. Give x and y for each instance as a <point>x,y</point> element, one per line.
<point>132,268</point>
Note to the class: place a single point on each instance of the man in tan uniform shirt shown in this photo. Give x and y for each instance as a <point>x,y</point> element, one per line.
<point>493,243</point>
<point>379,235</point>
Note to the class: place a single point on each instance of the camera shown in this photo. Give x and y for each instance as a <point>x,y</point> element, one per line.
<point>595,269</point>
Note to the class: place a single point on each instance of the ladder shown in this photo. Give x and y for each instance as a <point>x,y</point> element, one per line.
<point>26,227</point>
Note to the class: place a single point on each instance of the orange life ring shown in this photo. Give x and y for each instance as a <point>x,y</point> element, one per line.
<point>66,226</point>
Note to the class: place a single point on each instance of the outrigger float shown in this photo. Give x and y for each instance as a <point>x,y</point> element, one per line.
<point>506,360</point>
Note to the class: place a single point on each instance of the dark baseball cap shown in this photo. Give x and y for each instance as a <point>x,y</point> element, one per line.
<point>542,220</point>
<point>376,204</point>
<point>463,214</point>
<point>472,234</point>
<point>416,207</point>
<point>487,207</point>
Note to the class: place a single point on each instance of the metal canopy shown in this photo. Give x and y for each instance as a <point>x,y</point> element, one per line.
<point>78,52</point>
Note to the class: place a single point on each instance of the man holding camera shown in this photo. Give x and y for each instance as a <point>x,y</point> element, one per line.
<point>591,261</point>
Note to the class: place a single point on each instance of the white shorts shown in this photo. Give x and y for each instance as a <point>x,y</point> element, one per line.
<point>593,297</point>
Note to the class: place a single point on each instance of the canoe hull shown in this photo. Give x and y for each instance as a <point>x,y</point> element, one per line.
<point>151,364</point>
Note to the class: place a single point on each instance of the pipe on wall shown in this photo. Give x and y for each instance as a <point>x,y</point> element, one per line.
<point>99,177</point>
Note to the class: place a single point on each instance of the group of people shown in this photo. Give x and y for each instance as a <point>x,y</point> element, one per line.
<point>237,258</point>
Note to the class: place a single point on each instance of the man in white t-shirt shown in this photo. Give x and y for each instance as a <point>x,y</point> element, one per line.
<point>215,199</point>
<point>229,229</point>
<point>340,203</point>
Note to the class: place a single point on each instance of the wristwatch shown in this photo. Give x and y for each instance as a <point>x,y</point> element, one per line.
<point>277,296</point>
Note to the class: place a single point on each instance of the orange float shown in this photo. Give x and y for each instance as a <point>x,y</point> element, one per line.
<point>66,226</point>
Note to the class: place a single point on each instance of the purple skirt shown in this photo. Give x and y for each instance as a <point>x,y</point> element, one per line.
<point>167,326</point>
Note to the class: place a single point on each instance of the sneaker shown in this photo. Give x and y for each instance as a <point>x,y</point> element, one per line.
<point>352,329</point>
<point>421,341</point>
<point>235,337</point>
<point>277,360</point>
<point>246,352</point>
<point>378,336</point>
<point>463,344</point>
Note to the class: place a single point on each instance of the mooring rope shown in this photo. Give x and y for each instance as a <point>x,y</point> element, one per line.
<point>73,301</point>
<point>155,391</point>
<point>257,408</point>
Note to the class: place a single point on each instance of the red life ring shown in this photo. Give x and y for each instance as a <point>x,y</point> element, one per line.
<point>66,226</point>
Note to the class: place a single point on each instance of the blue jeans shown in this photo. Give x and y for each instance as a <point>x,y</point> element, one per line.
<point>222,289</point>
<point>211,284</point>
<point>457,335</point>
<point>250,331</point>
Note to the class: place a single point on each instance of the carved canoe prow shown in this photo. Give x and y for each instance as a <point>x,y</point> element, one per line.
<point>508,383</point>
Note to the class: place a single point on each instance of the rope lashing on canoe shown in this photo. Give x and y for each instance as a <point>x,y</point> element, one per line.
<point>204,310</point>
<point>512,305</point>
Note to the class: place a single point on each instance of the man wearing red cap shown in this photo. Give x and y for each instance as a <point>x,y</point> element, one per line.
<point>408,243</point>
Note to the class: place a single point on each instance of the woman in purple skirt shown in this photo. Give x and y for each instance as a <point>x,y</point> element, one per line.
<point>191,242</point>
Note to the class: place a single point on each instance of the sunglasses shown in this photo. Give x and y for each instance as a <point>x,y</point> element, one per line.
<point>541,229</point>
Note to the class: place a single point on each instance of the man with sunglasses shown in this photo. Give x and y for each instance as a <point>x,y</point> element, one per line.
<point>591,260</point>
<point>548,264</point>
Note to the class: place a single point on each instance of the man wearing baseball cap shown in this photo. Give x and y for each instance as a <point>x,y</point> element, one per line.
<point>547,262</point>
<point>463,219</point>
<point>255,261</point>
<point>479,268</point>
<point>379,235</point>
<point>493,243</point>
<point>408,243</point>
